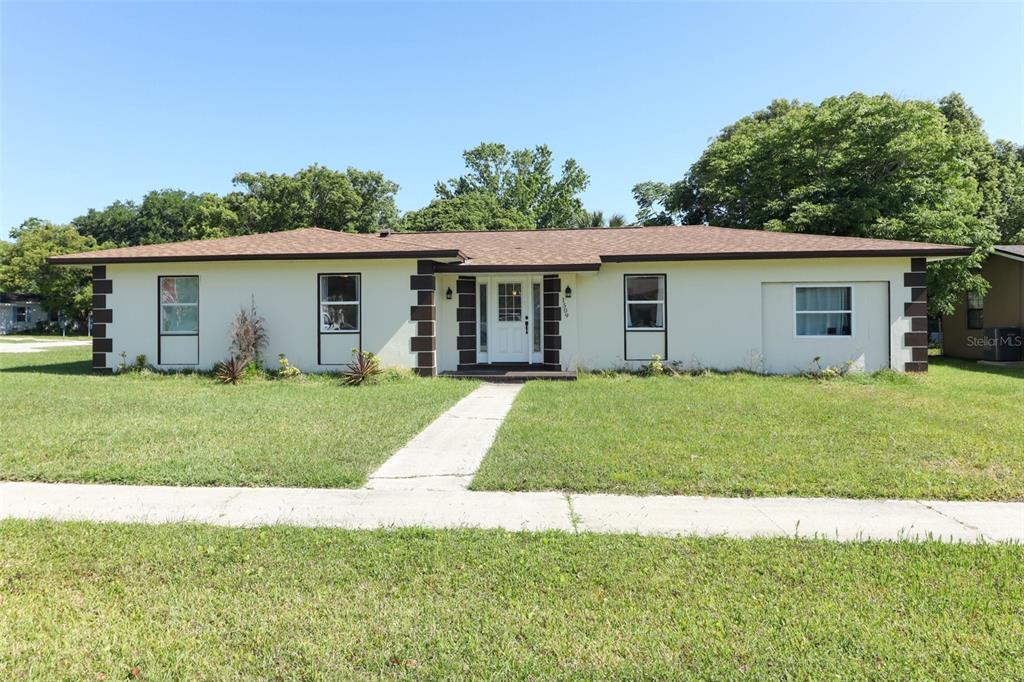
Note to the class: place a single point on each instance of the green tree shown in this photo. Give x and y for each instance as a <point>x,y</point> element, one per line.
<point>1010,177</point>
<point>652,200</point>
<point>469,211</point>
<point>350,201</point>
<point>165,215</point>
<point>172,215</point>
<point>376,193</point>
<point>857,165</point>
<point>522,181</point>
<point>591,219</point>
<point>117,223</point>
<point>23,267</point>
<point>596,219</point>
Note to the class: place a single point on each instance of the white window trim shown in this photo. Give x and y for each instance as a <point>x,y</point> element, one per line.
<point>358,303</point>
<point>825,285</point>
<point>660,301</point>
<point>178,305</point>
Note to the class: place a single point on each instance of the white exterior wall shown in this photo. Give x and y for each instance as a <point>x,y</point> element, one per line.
<point>720,314</point>
<point>717,317</point>
<point>286,296</point>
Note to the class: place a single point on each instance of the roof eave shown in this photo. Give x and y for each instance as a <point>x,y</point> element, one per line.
<point>950,252</point>
<point>1008,254</point>
<point>373,255</point>
<point>521,267</point>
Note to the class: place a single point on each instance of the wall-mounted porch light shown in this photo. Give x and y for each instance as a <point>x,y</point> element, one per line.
<point>448,294</point>
<point>568,292</point>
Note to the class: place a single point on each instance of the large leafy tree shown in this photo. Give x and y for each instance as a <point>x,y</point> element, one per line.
<point>858,165</point>
<point>353,200</point>
<point>469,211</point>
<point>163,216</point>
<point>117,223</point>
<point>23,267</point>
<point>317,196</point>
<point>522,180</point>
<point>1010,177</point>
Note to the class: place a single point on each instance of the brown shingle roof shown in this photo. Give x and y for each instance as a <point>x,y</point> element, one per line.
<point>523,249</point>
<point>310,242</point>
<point>1011,249</point>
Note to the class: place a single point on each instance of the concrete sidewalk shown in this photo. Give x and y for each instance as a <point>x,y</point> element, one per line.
<point>838,519</point>
<point>38,346</point>
<point>447,454</point>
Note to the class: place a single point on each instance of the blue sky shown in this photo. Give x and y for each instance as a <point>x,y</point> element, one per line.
<point>108,101</point>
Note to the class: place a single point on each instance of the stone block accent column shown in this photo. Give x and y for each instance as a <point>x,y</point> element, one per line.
<point>424,314</point>
<point>552,322</point>
<point>465,315</point>
<point>917,310</point>
<point>102,315</point>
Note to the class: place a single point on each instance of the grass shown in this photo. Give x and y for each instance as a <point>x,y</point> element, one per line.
<point>956,433</point>
<point>62,423</point>
<point>94,601</point>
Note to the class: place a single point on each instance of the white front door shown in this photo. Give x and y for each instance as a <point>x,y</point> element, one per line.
<point>510,331</point>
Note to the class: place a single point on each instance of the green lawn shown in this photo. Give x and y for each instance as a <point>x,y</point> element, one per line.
<point>957,433</point>
<point>93,601</point>
<point>61,423</point>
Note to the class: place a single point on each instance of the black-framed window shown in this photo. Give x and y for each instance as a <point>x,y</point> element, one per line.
<point>21,313</point>
<point>645,302</point>
<point>339,303</point>
<point>975,310</point>
<point>179,305</point>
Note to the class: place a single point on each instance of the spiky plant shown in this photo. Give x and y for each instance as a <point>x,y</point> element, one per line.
<point>364,369</point>
<point>230,371</point>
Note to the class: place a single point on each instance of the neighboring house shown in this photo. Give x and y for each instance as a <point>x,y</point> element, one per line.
<point>556,299</point>
<point>964,332</point>
<point>20,312</point>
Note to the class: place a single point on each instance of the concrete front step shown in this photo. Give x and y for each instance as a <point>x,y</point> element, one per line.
<point>510,376</point>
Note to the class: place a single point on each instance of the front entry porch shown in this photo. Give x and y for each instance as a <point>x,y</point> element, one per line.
<point>510,372</point>
<point>503,327</point>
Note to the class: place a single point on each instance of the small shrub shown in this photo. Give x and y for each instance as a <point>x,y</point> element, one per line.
<point>123,364</point>
<point>253,370</point>
<point>364,369</point>
<point>47,328</point>
<point>285,369</point>
<point>655,368</point>
<point>230,372</point>
<point>248,336</point>
<point>141,363</point>
<point>819,371</point>
<point>391,375</point>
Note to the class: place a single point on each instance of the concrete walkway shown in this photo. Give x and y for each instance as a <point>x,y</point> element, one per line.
<point>38,346</point>
<point>447,454</point>
<point>737,517</point>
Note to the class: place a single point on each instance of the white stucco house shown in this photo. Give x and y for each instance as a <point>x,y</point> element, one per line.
<point>20,312</point>
<point>555,300</point>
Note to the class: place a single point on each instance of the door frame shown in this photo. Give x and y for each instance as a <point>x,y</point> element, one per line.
<point>533,356</point>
